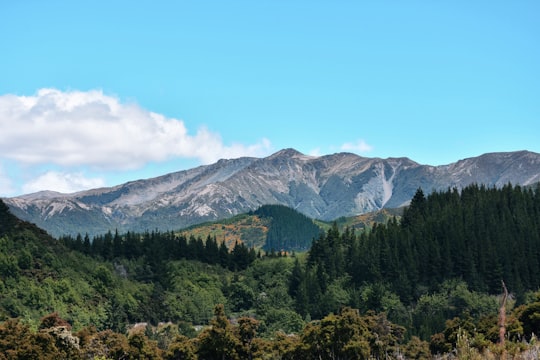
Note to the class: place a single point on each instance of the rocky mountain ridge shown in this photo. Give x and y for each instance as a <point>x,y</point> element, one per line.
<point>322,187</point>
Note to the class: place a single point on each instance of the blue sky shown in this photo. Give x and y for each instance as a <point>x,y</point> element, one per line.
<point>102,92</point>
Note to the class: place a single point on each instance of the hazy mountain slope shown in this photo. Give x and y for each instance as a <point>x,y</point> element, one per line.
<point>325,187</point>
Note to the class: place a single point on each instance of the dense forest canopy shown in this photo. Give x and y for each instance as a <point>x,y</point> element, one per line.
<point>289,230</point>
<point>427,283</point>
<point>479,235</point>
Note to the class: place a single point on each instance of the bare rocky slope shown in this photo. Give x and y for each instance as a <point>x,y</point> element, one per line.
<point>323,187</point>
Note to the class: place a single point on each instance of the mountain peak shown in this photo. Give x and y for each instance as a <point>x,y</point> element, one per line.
<point>288,152</point>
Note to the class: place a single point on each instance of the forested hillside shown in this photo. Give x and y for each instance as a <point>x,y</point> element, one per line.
<point>474,239</point>
<point>289,229</point>
<point>427,284</point>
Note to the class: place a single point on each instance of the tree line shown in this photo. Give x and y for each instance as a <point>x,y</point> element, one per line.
<point>157,247</point>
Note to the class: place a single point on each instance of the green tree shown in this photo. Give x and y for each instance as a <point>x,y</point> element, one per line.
<point>529,316</point>
<point>140,347</point>
<point>182,348</point>
<point>106,344</point>
<point>247,331</point>
<point>240,297</point>
<point>16,340</point>
<point>343,336</point>
<point>417,349</point>
<point>218,342</point>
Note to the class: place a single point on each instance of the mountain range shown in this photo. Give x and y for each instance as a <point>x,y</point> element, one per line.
<point>321,187</point>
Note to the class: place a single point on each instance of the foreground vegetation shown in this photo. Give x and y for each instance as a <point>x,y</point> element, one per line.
<point>346,335</point>
<point>426,286</point>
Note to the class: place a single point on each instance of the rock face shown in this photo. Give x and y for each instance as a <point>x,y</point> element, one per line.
<point>324,187</point>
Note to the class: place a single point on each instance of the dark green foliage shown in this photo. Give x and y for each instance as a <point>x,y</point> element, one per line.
<point>156,248</point>
<point>480,235</point>
<point>289,229</point>
<point>477,235</point>
<point>8,222</point>
<point>240,297</point>
<point>529,316</point>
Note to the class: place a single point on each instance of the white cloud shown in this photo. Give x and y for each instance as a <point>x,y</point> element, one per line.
<point>6,185</point>
<point>90,128</point>
<point>315,152</point>
<point>359,146</point>
<point>62,182</point>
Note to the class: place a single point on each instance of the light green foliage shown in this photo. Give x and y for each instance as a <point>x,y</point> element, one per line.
<point>9,266</point>
<point>104,276</point>
<point>269,280</point>
<point>194,290</point>
<point>281,320</point>
<point>44,277</point>
<point>452,300</point>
